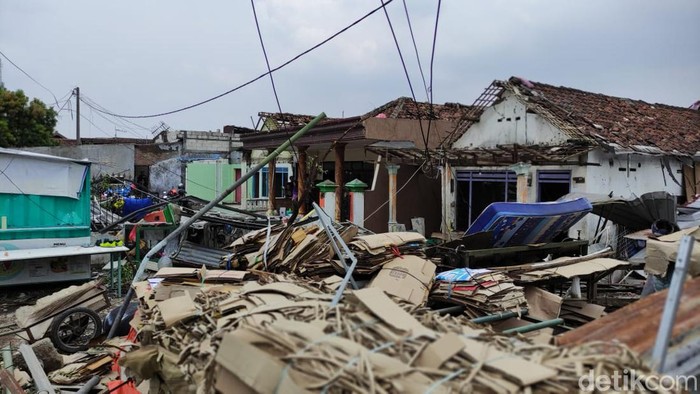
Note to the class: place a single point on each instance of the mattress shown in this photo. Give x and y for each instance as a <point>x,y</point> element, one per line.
<point>516,224</point>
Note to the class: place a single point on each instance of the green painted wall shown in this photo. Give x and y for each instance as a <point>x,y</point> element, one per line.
<point>207,180</point>
<point>31,216</point>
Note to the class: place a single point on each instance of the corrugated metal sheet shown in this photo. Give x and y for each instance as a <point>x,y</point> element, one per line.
<point>637,325</point>
<point>191,254</point>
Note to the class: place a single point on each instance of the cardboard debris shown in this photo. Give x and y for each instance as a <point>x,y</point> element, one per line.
<point>664,249</point>
<point>578,312</point>
<point>304,251</point>
<point>176,309</point>
<point>376,250</point>
<point>82,369</point>
<point>407,277</point>
<point>481,291</point>
<point>542,304</point>
<point>195,274</point>
<point>279,335</point>
<point>572,270</point>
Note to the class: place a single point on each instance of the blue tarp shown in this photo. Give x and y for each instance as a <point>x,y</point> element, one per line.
<point>134,204</point>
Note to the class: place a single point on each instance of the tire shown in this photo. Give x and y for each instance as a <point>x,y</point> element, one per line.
<point>73,329</point>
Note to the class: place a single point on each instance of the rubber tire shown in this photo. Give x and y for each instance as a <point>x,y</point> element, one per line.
<point>67,348</point>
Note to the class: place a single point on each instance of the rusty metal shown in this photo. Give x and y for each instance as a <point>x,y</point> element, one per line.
<point>636,326</point>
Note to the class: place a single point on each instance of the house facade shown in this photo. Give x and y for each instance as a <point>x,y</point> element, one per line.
<point>528,141</point>
<point>381,149</point>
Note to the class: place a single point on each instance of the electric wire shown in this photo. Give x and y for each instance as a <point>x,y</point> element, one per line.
<point>408,78</point>
<point>126,123</point>
<point>30,77</point>
<point>415,48</point>
<point>293,59</point>
<point>432,60</point>
<point>397,191</point>
<point>126,128</point>
<point>272,79</point>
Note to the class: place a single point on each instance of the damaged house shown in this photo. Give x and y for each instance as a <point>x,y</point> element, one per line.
<point>531,142</point>
<point>355,151</point>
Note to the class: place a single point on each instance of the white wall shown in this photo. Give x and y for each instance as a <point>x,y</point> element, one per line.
<point>109,159</point>
<point>528,129</point>
<point>647,174</point>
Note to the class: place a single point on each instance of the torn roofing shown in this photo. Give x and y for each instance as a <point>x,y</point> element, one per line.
<point>400,108</point>
<point>613,122</point>
<point>407,108</point>
<point>637,324</point>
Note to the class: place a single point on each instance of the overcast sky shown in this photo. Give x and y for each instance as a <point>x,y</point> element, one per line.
<point>148,57</point>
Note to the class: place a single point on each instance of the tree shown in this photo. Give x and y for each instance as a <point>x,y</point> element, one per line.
<point>24,122</point>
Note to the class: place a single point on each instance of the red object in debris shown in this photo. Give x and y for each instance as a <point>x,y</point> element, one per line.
<point>121,387</point>
<point>156,216</point>
<point>132,234</point>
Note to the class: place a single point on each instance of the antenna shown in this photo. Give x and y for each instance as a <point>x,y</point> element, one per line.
<point>2,85</point>
<point>118,130</point>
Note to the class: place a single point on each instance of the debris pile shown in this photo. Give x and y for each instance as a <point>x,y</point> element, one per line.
<point>307,251</point>
<point>283,335</point>
<point>480,291</point>
<point>304,251</point>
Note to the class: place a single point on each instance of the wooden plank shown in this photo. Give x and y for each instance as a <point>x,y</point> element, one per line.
<point>8,382</point>
<point>41,381</point>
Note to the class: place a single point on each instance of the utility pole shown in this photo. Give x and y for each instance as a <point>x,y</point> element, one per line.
<point>77,115</point>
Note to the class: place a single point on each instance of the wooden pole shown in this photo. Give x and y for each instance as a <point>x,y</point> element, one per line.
<point>339,151</point>
<point>301,178</point>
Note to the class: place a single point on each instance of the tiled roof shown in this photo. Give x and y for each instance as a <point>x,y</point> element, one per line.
<point>629,124</point>
<point>401,108</point>
<point>407,108</point>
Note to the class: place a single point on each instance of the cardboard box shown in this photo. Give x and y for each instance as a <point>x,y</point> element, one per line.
<point>664,249</point>
<point>407,277</point>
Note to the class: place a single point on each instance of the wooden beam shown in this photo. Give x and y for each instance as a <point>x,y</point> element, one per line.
<point>8,382</point>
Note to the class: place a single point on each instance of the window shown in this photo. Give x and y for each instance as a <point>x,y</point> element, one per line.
<point>259,181</point>
<point>553,184</point>
<point>477,189</point>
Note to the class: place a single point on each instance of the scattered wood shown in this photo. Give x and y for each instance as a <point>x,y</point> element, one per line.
<point>7,381</point>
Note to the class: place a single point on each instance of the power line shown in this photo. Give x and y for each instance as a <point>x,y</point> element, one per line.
<point>100,108</point>
<point>408,78</point>
<point>415,48</point>
<point>343,30</point>
<point>269,72</point>
<point>432,59</point>
<point>30,77</point>
<point>110,120</point>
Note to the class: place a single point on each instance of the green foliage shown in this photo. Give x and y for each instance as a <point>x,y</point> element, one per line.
<point>23,122</point>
